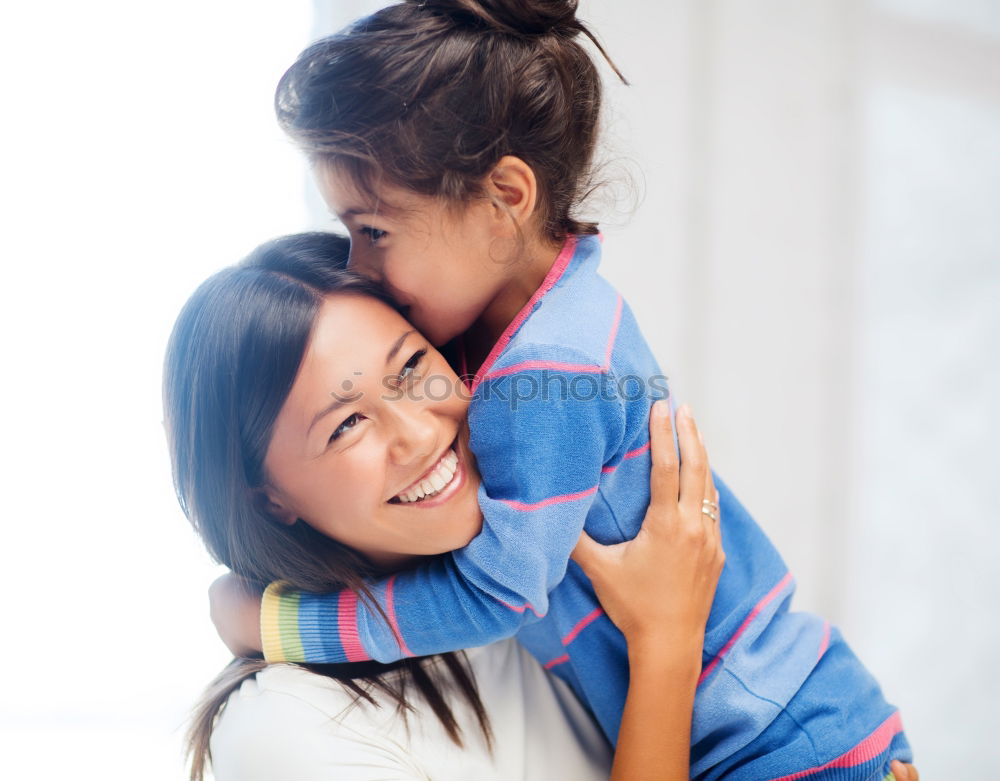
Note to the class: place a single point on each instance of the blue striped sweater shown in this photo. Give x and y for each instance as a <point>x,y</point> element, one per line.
<point>559,427</point>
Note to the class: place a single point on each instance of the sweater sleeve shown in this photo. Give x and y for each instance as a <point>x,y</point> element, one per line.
<point>541,432</point>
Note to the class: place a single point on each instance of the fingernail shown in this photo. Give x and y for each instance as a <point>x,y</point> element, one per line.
<point>685,410</point>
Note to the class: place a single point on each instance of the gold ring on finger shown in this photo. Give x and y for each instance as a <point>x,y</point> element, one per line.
<point>710,514</point>
<point>710,505</point>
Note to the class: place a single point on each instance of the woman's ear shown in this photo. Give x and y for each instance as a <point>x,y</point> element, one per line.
<point>512,186</point>
<point>270,502</point>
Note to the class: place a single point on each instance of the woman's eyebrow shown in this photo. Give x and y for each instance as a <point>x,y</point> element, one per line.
<point>337,403</point>
<point>398,344</point>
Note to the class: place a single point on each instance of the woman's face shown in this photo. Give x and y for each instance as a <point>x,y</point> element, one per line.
<point>370,447</point>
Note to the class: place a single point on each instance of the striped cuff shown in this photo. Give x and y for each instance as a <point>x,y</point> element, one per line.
<point>279,624</point>
<point>316,628</point>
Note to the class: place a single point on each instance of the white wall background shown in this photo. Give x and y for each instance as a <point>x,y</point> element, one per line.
<point>816,259</point>
<point>139,154</point>
<point>822,222</point>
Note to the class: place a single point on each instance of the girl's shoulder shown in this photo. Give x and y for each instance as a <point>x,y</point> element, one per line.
<point>573,319</point>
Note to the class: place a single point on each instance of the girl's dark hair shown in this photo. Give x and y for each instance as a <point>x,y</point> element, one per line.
<point>430,95</point>
<point>232,359</point>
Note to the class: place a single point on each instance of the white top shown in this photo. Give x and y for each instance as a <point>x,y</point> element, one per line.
<point>288,724</point>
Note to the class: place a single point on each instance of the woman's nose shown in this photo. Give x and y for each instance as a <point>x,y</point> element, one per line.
<point>415,433</point>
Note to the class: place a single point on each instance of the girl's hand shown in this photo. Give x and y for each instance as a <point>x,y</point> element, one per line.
<point>901,771</point>
<point>658,587</point>
<point>235,608</point>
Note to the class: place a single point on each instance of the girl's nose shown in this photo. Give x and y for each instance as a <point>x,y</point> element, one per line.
<point>365,265</point>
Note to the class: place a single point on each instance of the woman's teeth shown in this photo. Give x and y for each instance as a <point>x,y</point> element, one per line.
<point>435,482</point>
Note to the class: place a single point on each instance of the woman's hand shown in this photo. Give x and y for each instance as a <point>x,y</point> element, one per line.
<point>658,589</point>
<point>234,604</point>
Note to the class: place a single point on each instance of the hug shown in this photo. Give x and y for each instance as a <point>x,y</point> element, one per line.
<point>450,585</point>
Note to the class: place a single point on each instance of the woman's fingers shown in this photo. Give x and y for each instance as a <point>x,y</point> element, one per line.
<point>710,503</point>
<point>694,462</point>
<point>663,474</point>
<point>587,553</point>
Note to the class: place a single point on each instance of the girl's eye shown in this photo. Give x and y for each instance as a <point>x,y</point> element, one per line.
<point>411,365</point>
<point>373,234</point>
<point>346,426</point>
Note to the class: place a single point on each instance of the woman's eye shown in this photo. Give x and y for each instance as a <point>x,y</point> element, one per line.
<point>346,426</point>
<point>411,365</point>
<point>373,234</point>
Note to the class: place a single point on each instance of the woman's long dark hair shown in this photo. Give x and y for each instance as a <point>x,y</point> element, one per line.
<point>232,359</point>
<point>430,95</point>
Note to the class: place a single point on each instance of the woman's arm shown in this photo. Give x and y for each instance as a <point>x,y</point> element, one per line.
<point>658,590</point>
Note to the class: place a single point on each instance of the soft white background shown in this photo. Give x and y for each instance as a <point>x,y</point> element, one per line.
<point>812,245</point>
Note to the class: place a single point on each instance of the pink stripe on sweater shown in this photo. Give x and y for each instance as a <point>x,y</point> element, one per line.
<point>578,368</point>
<point>582,624</point>
<point>630,454</point>
<point>558,660</point>
<point>522,608</point>
<point>865,751</point>
<point>614,333</point>
<point>528,507</point>
<point>558,268</point>
<point>637,452</point>
<point>390,609</point>
<point>746,622</point>
<point>347,624</point>
<point>825,642</point>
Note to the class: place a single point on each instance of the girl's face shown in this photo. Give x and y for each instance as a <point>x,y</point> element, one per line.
<point>437,263</point>
<point>370,445</point>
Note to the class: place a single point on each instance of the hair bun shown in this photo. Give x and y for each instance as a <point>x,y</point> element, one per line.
<point>518,17</point>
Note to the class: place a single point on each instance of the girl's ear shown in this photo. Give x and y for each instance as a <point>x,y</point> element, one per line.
<point>513,187</point>
<point>270,502</point>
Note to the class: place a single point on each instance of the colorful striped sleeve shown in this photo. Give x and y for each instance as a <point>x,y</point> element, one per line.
<point>541,460</point>
<point>279,623</point>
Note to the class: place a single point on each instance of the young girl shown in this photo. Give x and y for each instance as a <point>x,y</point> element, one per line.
<point>246,388</point>
<point>454,139</point>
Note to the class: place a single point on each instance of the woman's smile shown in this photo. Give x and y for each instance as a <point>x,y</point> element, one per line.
<point>436,484</point>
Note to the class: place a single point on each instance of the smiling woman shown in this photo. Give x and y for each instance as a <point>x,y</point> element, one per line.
<point>255,353</point>
<point>397,459</point>
<point>284,485</point>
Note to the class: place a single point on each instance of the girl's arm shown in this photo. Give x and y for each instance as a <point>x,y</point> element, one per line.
<point>658,590</point>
